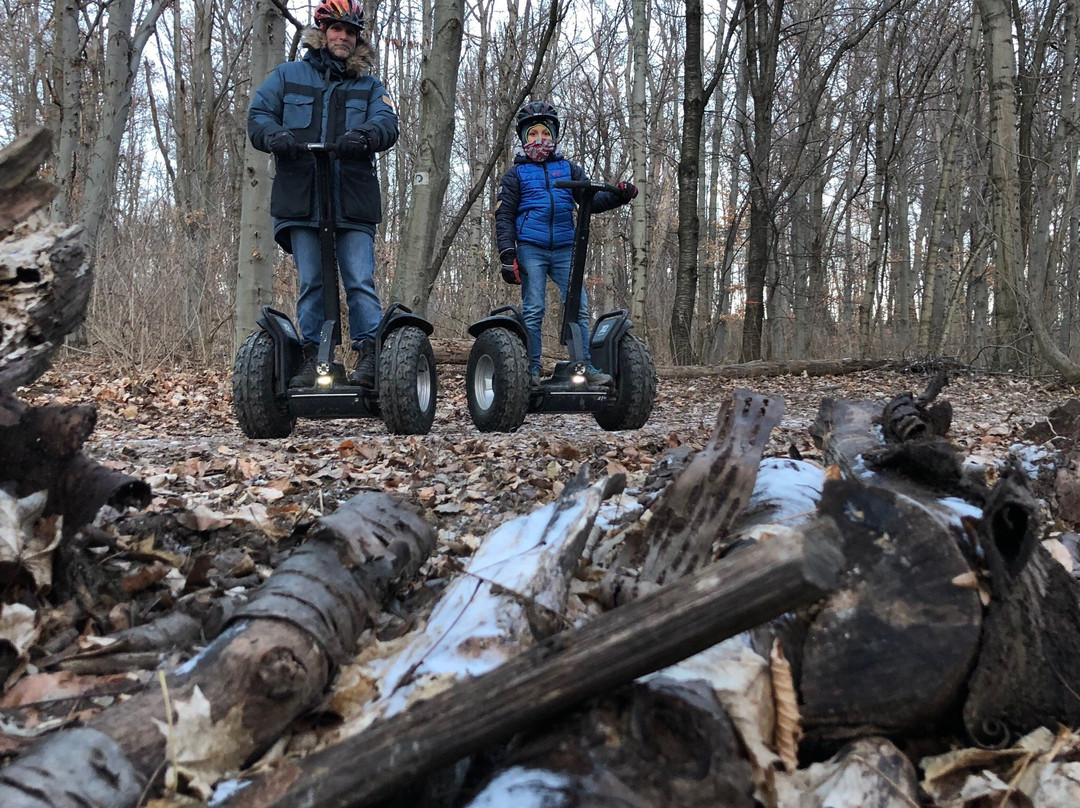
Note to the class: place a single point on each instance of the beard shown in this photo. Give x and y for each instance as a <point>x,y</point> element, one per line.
<point>342,50</point>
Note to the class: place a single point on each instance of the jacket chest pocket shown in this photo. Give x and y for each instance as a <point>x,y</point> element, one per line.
<point>297,111</point>
<point>355,113</point>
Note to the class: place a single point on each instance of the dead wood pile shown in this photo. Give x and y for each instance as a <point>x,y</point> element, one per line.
<point>762,631</point>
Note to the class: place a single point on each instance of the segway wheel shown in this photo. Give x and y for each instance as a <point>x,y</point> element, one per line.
<point>635,388</point>
<point>497,381</point>
<point>257,409</point>
<point>407,382</point>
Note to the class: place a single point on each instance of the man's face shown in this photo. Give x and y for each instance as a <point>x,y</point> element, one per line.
<point>537,131</point>
<point>341,39</point>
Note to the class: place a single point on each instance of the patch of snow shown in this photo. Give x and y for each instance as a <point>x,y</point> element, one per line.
<point>524,788</point>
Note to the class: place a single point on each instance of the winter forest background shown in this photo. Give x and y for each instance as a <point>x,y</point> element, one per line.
<point>818,180</point>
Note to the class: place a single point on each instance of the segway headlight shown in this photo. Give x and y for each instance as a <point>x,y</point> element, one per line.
<point>578,376</point>
<point>322,375</point>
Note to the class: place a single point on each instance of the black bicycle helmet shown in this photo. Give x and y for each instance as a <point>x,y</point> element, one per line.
<point>537,112</point>
<point>347,11</point>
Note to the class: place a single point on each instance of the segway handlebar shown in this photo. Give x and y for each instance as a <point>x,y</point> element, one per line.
<point>319,148</point>
<point>582,185</point>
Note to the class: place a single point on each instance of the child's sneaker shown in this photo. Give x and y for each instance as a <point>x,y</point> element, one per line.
<point>594,375</point>
<point>534,376</point>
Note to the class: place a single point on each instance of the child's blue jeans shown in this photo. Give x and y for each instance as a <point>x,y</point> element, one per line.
<point>537,265</point>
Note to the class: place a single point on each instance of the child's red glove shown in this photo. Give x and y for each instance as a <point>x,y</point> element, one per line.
<point>510,271</point>
<point>628,190</point>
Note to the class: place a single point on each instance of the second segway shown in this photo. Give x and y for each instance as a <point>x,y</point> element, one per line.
<point>498,386</point>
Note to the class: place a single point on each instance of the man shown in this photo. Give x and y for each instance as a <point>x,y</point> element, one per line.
<point>329,96</point>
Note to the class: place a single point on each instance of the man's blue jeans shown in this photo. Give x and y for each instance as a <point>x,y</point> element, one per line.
<point>537,265</point>
<point>356,264</point>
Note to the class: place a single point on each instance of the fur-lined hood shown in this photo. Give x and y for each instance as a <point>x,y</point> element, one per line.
<point>359,64</point>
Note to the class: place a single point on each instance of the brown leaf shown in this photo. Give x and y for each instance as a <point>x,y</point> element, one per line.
<point>788,730</point>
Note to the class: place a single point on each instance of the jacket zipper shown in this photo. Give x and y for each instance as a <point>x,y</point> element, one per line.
<point>551,207</point>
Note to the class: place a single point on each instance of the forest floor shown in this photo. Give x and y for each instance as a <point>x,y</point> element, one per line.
<point>226,510</point>
<point>175,430</point>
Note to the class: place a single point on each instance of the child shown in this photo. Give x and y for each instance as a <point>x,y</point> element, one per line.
<point>534,225</point>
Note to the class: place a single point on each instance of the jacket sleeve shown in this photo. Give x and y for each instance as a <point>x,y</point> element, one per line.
<point>603,201</point>
<point>506,209</point>
<point>265,112</point>
<point>381,125</point>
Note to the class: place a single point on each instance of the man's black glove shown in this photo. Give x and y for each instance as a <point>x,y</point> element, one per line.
<point>510,271</point>
<point>628,191</point>
<point>353,145</point>
<point>283,145</point>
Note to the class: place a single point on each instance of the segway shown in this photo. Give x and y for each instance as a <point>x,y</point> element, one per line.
<point>405,382</point>
<point>498,386</point>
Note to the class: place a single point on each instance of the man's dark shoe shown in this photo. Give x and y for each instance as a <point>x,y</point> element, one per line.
<point>305,374</point>
<point>594,375</point>
<point>363,374</point>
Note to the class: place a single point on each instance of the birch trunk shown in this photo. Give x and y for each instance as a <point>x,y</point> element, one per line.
<point>639,232</point>
<point>255,264</point>
<point>1008,253</point>
<point>415,272</point>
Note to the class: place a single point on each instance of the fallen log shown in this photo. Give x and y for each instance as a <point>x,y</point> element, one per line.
<point>23,192</point>
<point>456,352</point>
<point>275,659</point>
<point>655,742</point>
<point>650,633</point>
<point>891,649</point>
<point>1028,670</point>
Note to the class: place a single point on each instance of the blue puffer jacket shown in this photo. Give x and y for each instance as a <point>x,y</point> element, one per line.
<point>532,210</point>
<point>319,98</point>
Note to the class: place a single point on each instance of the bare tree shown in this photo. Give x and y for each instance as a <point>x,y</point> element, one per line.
<point>415,275</point>
<point>255,267</point>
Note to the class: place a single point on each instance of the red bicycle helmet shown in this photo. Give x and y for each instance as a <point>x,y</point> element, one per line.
<point>347,11</point>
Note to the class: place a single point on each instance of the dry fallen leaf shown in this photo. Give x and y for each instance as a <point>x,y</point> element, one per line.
<point>788,730</point>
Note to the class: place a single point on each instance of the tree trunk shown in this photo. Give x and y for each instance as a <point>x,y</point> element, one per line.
<point>639,230</point>
<point>762,32</point>
<point>415,272</point>
<point>931,333</point>
<point>255,264</point>
<point>686,273</point>
<point>121,63</point>
<point>1008,252</point>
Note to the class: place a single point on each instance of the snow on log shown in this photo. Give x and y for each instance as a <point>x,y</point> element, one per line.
<point>512,593</point>
<point>80,768</point>
<point>672,623</point>
<point>277,656</point>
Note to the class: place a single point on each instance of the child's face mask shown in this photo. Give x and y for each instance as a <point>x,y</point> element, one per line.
<point>540,149</point>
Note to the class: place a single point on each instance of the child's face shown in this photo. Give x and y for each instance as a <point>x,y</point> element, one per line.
<point>537,131</point>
